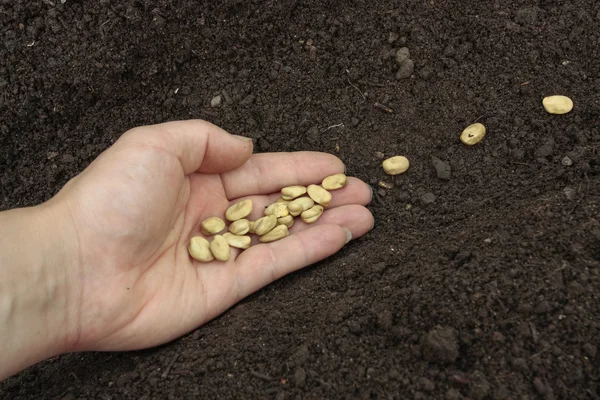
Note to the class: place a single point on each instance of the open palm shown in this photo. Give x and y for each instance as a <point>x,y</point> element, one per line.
<point>136,206</point>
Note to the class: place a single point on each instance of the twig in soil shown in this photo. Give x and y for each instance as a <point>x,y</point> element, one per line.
<point>166,372</point>
<point>383,107</point>
<point>355,87</point>
<point>261,376</point>
<point>525,83</point>
<point>331,127</point>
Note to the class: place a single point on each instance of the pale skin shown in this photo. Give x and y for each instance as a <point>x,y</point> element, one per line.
<point>104,266</point>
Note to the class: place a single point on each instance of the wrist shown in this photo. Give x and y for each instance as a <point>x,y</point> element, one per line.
<point>37,275</point>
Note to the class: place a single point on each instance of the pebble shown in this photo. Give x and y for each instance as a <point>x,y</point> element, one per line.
<point>566,161</point>
<point>440,345</point>
<point>216,101</point>
<point>406,69</point>
<point>402,55</point>
<point>300,377</point>
<point>428,198</point>
<point>442,168</point>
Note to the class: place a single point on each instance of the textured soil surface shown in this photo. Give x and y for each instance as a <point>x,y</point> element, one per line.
<point>484,284</point>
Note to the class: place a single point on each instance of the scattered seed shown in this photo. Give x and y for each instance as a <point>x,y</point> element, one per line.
<point>212,225</point>
<point>300,205</point>
<point>311,215</point>
<point>288,221</point>
<point>473,134</point>
<point>220,248</point>
<point>277,209</point>
<point>291,192</point>
<point>557,104</point>
<point>280,232</point>
<point>334,182</point>
<point>239,242</point>
<point>265,224</point>
<point>199,249</point>
<point>385,185</point>
<point>395,165</point>
<point>240,227</point>
<point>239,210</point>
<point>319,195</point>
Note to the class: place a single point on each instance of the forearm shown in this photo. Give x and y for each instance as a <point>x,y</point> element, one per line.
<point>35,317</point>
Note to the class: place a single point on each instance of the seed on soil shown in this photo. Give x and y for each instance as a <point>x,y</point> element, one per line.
<point>277,209</point>
<point>319,195</point>
<point>240,227</point>
<point>557,104</point>
<point>288,221</point>
<point>297,206</point>
<point>220,248</point>
<point>334,182</point>
<point>239,210</point>
<point>311,215</point>
<point>239,242</point>
<point>395,165</point>
<point>265,224</point>
<point>473,134</point>
<point>291,192</point>
<point>385,185</point>
<point>279,232</point>
<point>212,225</point>
<point>199,249</point>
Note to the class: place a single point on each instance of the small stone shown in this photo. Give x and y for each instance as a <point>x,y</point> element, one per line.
<point>591,350</point>
<point>406,69</point>
<point>216,101</point>
<point>566,161</point>
<point>453,394</point>
<point>392,37</point>
<point>381,192</point>
<point>539,385</point>
<point>442,168</point>
<point>545,150</point>
<point>300,377</point>
<point>402,55</point>
<point>379,155</point>
<point>440,345</point>
<point>428,198</point>
<point>426,385</point>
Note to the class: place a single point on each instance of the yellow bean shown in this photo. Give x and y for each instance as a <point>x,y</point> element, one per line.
<point>240,227</point>
<point>279,232</point>
<point>265,224</point>
<point>240,242</point>
<point>395,165</point>
<point>319,195</point>
<point>311,215</point>
<point>334,182</point>
<point>199,249</point>
<point>291,192</point>
<point>239,210</point>
<point>212,225</point>
<point>220,248</point>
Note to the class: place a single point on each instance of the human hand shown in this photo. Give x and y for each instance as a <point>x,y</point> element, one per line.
<point>132,212</point>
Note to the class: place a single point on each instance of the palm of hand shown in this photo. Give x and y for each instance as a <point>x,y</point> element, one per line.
<point>135,209</point>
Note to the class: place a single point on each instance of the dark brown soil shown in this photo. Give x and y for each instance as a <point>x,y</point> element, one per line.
<point>490,291</point>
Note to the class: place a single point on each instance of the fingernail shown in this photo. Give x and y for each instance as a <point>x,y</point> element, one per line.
<point>373,226</point>
<point>244,138</point>
<point>348,235</point>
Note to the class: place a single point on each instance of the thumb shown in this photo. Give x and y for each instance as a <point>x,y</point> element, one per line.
<point>199,145</point>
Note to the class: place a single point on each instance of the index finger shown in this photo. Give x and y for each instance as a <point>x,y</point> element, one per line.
<point>269,172</point>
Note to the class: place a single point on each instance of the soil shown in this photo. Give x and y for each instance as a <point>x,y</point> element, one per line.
<point>480,283</point>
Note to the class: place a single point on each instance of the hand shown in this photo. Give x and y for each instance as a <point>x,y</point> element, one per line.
<point>132,212</point>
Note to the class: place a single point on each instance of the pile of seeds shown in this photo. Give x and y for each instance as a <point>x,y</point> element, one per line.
<point>278,217</point>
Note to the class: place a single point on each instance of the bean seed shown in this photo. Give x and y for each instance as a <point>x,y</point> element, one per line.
<point>282,200</point>
<point>287,221</point>
<point>199,249</point>
<point>334,182</point>
<point>220,248</point>
<point>319,195</point>
<point>557,104</point>
<point>265,224</point>
<point>251,226</point>
<point>239,242</point>
<point>240,227</point>
<point>277,209</point>
<point>473,134</point>
<point>291,192</point>
<point>299,205</point>
<point>212,225</point>
<point>311,215</point>
<point>239,210</point>
<point>279,232</point>
<point>395,165</point>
